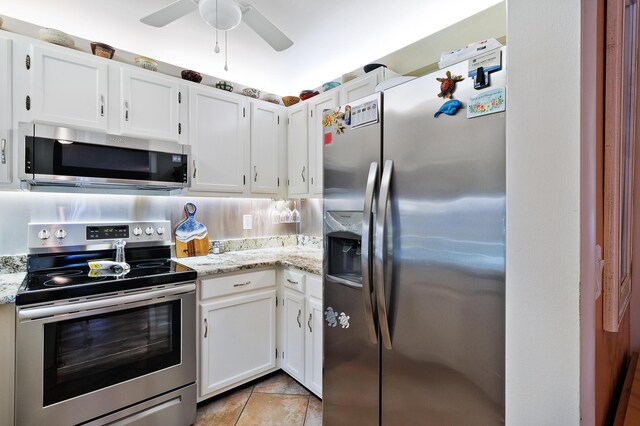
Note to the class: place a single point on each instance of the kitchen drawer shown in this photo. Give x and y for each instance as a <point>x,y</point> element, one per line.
<point>294,280</point>
<point>237,283</point>
<point>314,286</point>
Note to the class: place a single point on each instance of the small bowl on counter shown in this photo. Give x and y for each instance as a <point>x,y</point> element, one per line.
<point>251,92</point>
<point>54,36</point>
<point>146,63</point>
<point>102,50</point>
<point>306,94</point>
<point>371,67</point>
<point>290,100</point>
<point>330,85</point>
<point>270,97</point>
<point>190,75</point>
<point>224,85</point>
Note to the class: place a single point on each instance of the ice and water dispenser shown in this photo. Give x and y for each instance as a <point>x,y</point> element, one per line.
<point>343,231</point>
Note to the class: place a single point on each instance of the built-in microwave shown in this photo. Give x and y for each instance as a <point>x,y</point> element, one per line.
<point>51,155</point>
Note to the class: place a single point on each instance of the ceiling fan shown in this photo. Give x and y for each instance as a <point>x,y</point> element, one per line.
<point>222,15</point>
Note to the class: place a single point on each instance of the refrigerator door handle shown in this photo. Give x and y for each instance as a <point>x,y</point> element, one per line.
<point>366,250</point>
<point>381,253</point>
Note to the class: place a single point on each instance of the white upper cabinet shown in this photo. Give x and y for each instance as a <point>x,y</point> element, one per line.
<point>317,105</point>
<point>148,105</point>
<point>68,88</point>
<point>265,144</point>
<point>5,110</point>
<point>297,150</point>
<point>219,139</point>
<point>364,85</point>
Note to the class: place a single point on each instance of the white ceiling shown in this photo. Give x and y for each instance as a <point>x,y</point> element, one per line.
<point>330,37</point>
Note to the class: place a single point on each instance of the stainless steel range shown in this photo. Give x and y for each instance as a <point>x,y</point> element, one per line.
<point>104,346</point>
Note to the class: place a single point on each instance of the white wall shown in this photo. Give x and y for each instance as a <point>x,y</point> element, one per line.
<point>543,213</point>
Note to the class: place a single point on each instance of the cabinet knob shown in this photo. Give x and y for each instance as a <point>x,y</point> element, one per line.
<point>303,169</point>
<point>298,318</point>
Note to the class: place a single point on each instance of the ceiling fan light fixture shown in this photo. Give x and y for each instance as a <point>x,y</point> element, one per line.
<point>228,14</point>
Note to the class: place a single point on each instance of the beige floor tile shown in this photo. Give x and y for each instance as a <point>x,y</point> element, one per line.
<point>223,411</point>
<point>280,383</point>
<point>314,412</point>
<point>274,410</point>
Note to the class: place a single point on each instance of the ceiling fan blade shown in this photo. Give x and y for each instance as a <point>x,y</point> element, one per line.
<point>169,13</point>
<point>264,28</point>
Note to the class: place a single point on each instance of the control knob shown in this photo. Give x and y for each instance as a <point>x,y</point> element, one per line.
<point>44,234</point>
<point>60,234</point>
<point>137,231</point>
<point>160,230</point>
<point>149,230</point>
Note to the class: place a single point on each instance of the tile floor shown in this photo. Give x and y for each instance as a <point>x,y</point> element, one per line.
<point>276,400</point>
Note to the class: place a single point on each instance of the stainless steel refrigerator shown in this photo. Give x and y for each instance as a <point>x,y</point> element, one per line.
<point>414,240</point>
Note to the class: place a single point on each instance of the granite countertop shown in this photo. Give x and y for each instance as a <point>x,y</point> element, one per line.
<point>304,258</point>
<point>9,284</point>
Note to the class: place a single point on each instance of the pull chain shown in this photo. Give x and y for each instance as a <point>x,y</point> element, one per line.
<point>226,51</point>
<point>217,48</point>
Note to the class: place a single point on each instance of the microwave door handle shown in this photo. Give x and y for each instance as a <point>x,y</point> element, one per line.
<point>366,251</point>
<point>381,254</point>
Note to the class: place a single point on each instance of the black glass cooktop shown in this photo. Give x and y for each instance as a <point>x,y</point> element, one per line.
<point>64,276</point>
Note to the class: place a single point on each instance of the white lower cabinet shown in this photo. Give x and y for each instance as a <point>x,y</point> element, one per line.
<point>237,326</point>
<point>313,338</point>
<point>301,329</point>
<point>293,334</point>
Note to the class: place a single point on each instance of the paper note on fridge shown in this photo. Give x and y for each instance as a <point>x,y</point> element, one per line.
<point>363,114</point>
<point>486,102</point>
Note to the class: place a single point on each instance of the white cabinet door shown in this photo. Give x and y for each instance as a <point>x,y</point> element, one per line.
<point>313,346</point>
<point>238,336</point>
<point>148,105</point>
<point>317,105</point>
<point>5,110</point>
<point>293,335</point>
<point>219,138</point>
<point>297,149</point>
<point>362,86</point>
<point>68,88</point>
<point>265,138</point>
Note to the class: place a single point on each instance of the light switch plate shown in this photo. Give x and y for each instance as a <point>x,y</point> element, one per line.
<point>247,221</point>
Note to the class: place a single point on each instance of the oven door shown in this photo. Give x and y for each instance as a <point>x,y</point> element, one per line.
<point>79,361</point>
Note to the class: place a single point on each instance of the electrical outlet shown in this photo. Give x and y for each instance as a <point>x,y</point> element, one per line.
<point>247,221</point>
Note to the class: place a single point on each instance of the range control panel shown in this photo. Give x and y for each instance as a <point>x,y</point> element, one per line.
<point>97,235</point>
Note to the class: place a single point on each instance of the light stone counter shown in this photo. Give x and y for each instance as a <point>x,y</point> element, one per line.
<point>9,284</point>
<point>307,259</point>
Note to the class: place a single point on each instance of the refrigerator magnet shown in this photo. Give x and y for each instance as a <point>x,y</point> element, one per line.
<point>448,85</point>
<point>486,102</point>
<point>449,108</point>
<point>481,66</point>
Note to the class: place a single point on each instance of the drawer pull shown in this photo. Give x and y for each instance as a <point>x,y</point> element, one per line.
<point>309,323</point>
<point>299,323</point>
<point>292,282</point>
<point>242,284</point>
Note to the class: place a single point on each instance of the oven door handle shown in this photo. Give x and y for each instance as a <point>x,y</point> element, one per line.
<point>47,311</point>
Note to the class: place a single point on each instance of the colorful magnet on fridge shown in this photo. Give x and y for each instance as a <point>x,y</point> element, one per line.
<point>339,128</point>
<point>449,108</point>
<point>347,115</point>
<point>448,85</point>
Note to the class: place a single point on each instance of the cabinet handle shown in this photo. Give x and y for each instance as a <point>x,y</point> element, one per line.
<point>206,328</point>
<point>126,111</point>
<point>101,106</point>
<point>299,323</point>
<point>291,282</point>
<point>255,174</point>
<point>303,169</point>
<point>309,323</point>
<point>194,169</point>
<point>4,151</point>
<point>242,284</point>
